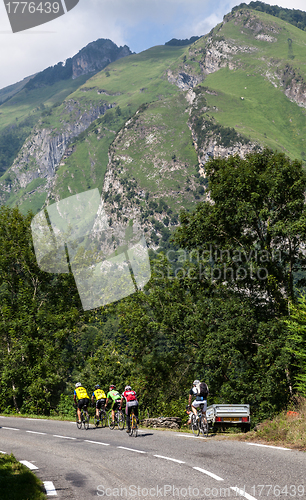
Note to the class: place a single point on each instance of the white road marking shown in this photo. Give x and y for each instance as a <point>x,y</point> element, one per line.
<point>10,428</point>
<point>211,474</point>
<point>191,436</point>
<point>50,489</point>
<point>168,458</point>
<point>38,419</point>
<point>4,452</point>
<point>131,449</point>
<point>242,493</point>
<point>96,442</point>
<point>62,437</point>
<point>35,432</point>
<point>29,465</point>
<point>269,446</point>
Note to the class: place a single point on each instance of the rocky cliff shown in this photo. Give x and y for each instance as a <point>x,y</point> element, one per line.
<point>42,152</point>
<point>96,55</point>
<point>214,52</point>
<point>89,60</point>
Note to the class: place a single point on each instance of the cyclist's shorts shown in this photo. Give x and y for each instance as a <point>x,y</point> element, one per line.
<point>201,404</point>
<point>100,403</point>
<point>116,404</point>
<point>83,402</point>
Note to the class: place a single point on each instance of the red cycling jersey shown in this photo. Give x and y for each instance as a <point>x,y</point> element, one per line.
<point>130,396</point>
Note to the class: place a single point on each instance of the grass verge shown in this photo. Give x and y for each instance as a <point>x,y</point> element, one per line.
<point>286,429</point>
<point>17,482</point>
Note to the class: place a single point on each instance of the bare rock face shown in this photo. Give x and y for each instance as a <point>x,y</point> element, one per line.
<point>42,152</point>
<point>96,55</point>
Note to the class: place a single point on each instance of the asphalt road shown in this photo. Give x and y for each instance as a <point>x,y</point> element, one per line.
<point>97,463</point>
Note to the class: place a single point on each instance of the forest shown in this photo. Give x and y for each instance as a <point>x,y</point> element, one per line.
<point>225,304</point>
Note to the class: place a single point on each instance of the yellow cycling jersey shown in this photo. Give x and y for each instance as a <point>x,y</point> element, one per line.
<point>81,393</point>
<point>99,394</point>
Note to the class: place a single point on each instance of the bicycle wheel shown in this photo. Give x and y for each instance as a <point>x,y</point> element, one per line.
<point>111,422</point>
<point>86,420</point>
<point>103,419</point>
<point>120,420</point>
<point>195,425</point>
<point>79,424</point>
<point>131,425</point>
<point>134,426</point>
<point>206,427</point>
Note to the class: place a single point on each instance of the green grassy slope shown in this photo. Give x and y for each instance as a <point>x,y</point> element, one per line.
<point>127,84</point>
<point>264,114</point>
<point>29,102</point>
<point>260,58</point>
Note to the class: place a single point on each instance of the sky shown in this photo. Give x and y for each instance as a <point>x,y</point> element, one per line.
<point>140,24</point>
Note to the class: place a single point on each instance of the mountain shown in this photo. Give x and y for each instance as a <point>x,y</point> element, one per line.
<point>142,129</point>
<point>8,92</point>
<point>293,16</point>
<point>91,59</point>
<point>25,102</point>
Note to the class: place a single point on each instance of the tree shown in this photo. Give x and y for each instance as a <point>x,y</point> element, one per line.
<point>38,312</point>
<point>252,231</point>
<point>296,342</point>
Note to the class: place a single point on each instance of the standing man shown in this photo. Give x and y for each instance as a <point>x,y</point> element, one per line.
<point>115,398</point>
<point>130,404</point>
<point>100,397</point>
<point>80,393</point>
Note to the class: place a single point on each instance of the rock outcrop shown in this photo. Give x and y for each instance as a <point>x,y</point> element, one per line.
<point>42,152</point>
<point>163,422</point>
<point>96,56</point>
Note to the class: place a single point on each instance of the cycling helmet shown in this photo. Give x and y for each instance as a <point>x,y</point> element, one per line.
<point>112,386</point>
<point>127,388</point>
<point>97,386</point>
<point>78,384</point>
<point>196,382</point>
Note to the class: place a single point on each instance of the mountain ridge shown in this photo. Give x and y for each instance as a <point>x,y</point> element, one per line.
<point>157,117</point>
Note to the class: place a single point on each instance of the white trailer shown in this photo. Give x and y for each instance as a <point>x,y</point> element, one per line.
<point>223,415</point>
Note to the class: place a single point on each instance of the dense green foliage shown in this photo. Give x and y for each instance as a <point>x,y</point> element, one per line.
<point>179,42</point>
<point>51,75</point>
<point>297,341</point>
<point>293,16</point>
<point>38,312</point>
<point>216,309</point>
<point>17,482</point>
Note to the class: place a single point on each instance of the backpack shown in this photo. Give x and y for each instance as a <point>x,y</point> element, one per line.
<point>130,396</point>
<point>202,390</point>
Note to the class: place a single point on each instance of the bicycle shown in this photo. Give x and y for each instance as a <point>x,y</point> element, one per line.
<point>133,425</point>
<point>102,418</point>
<point>199,424</point>
<point>84,418</point>
<point>119,419</point>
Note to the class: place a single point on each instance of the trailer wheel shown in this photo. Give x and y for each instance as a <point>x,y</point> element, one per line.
<point>246,427</point>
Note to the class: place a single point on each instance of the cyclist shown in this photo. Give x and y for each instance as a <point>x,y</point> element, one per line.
<point>200,391</point>
<point>115,397</point>
<point>131,403</point>
<point>100,397</point>
<point>80,393</point>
